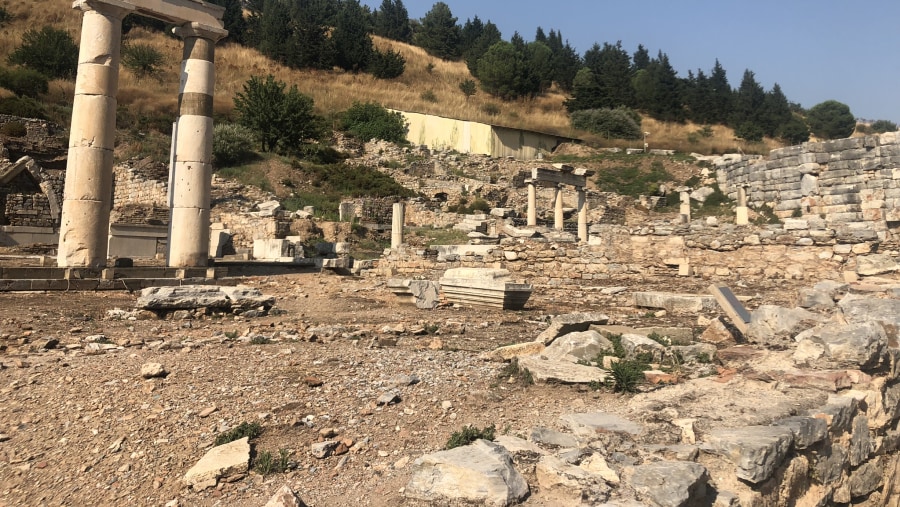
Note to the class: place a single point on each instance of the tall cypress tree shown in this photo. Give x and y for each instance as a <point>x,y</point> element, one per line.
<point>392,21</point>
<point>439,33</point>
<point>352,44</point>
<point>721,96</point>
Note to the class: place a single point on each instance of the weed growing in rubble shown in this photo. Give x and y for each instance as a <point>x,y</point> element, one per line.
<point>266,463</point>
<point>231,335</point>
<point>251,431</point>
<point>469,434</point>
<point>662,340</point>
<point>513,370</point>
<point>626,375</point>
<point>260,340</point>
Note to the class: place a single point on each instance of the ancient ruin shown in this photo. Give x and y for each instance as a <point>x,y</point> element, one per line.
<point>87,201</point>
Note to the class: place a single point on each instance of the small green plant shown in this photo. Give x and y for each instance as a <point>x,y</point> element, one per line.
<point>23,107</point>
<point>24,82</point>
<point>266,463</point>
<point>469,434</point>
<point>386,64</point>
<point>142,59</point>
<point>618,349</point>
<point>704,358</point>
<point>797,213</point>
<point>260,340</point>
<point>468,88</point>
<point>232,144</point>
<point>490,109</point>
<point>429,96</point>
<point>766,215</point>
<point>429,68</point>
<point>626,375</point>
<point>662,340</point>
<point>512,369</point>
<point>231,335</point>
<point>370,120</point>
<point>249,430</point>
<point>432,328</point>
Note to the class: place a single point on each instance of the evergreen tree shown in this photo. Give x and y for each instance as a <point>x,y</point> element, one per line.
<point>503,71</point>
<point>612,70</point>
<point>439,35</point>
<point>283,120</point>
<point>721,96</point>
<point>695,94</point>
<point>775,111</point>
<point>658,90</point>
<point>794,131</point>
<point>831,120</point>
<point>392,21</point>
<point>641,59</point>
<point>540,36</point>
<point>746,111</point>
<point>489,36</point>
<point>540,67</point>
<point>352,44</point>
<point>272,33</point>
<point>469,34</point>
<point>233,19</point>
<point>585,92</point>
<point>566,61</point>
<point>50,51</point>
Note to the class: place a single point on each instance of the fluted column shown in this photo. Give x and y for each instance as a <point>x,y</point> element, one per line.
<point>532,204</point>
<point>87,197</point>
<point>192,169</point>
<point>582,215</point>
<point>558,211</point>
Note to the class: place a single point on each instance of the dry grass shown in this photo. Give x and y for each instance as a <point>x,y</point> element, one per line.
<point>335,91</point>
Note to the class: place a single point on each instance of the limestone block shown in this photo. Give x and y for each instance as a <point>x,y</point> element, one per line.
<point>675,303</point>
<point>670,483</point>
<point>590,424</point>
<point>583,345</point>
<point>221,461</point>
<point>93,122</point>
<point>807,431</point>
<point>876,264</point>
<point>480,473</point>
<point>191,185</point>
<point>194,140</point>
<point>509,352</point>
<point>571,322</point>
<point>756,450</point>
<point>182,297</point>
<point>568,484</point>
<point>546,370</point>
<point>547,436</point>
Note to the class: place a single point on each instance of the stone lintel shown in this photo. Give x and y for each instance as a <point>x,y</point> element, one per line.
<point>179,12</point>
<point>202,30</point>
<point>115,8</point>
<point>544,175</point>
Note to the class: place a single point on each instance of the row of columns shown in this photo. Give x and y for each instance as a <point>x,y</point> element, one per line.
<point>558,209</point>
<point>84,226</point>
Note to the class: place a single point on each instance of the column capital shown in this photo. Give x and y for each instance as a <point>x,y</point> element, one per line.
<point>114,8</point>
<point>208,32</point>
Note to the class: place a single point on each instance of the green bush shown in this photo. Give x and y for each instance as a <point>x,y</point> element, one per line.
<point>468,88</point>
<point>632,181</point>
<point>626,375</point>
<point>284,120</point>
<point>882,126</point>
<point>490,109</point>
<point>249,430</point>
<point>372,121</point>
<point>469,434</point>
<point>386,65</point>
<point>23,107</point>
<point>831,120</point>
<point>50,51</point>
<point>619,123</point>
<point>232,144</point>
<point>14,129</point>
<point>429,96</point>
<point>24,82</point>
<point>142,59</point>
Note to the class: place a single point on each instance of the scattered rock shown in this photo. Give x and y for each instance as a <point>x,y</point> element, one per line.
<point>153,370</point>
<point>225,460</point>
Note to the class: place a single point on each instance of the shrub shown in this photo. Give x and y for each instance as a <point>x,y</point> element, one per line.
<point>831,120</point>
<point>469,434</point>
<point>142,59</point>
<point>5,16</point>
<point>626,375</point>
<point>372,121</point>
<point>468,88</point>
<point>632,181</point>
<point>882,126</point>
<point>14,129</point>
<point>387,65</point>
<point>429,96</point>
<point>232,144</point>
<point>283,119</point>
<point>50,51</point>
<point>619,123</point>
<point>22,107</point>
<point>490,109</point>
<point>24,82</point>
<point>249,430</point>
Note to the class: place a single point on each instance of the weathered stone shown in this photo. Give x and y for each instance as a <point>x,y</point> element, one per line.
<point>545,370</point>
<point>807,431</point>
<point>867,478</point>
<point>480,473</point>
<point>636,344</point>
<point>860,444</point>
<point>717,333</point>
<point>861,309</point>
<point>182,297</point>
<point>855,345</point>
<point>246,298</point>
<point>585,345</point>
<point>675,303</point>
<point>568,484</point>
<point>831,464</point>
<point>699,352</point>
<point>838,413</point>
<point>876,264</point>
<point>521,450</point>
<point>569,323</point>
<point>221,461</point>
<point>509,352</point>
<point>591,424</point>
<point>153,370</point>
<point>285,497</point>
<point>756,450</point>
<point>813,299</point>
<point>547,436</point>
<point>670,483</point>
<point>769,323</point>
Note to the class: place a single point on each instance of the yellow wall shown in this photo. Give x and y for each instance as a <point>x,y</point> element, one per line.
<point>440,133</point>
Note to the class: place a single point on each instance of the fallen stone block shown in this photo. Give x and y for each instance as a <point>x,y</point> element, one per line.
<point>590,424</point>
<point>424,294</point>
<point>509,352</point>
<point>247,298</point>
<point>569,323</point>
<point>675,303</point>
<point>285,497</point>
<point>546,370</point>
<point>670,483</point>
<point>855,345</point>
<point>182,297</point>
<point>756,450</point>
<point>225,460</point>
<point>568,484</point>
<point>484,287</point>
<point>481,473</point>
<point>579,345</point>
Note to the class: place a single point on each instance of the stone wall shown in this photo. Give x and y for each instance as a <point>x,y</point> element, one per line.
<point>140,182</point>
<point>247,227</point>
<point>847,183</point>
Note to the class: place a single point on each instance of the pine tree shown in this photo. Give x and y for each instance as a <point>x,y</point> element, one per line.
<point>641,59</point>
<point>439,33</point>
<point>748,103</point>
<point>392,21</point>
<point>721,96</point>
<point>352,44</point>
<point>489,36</point>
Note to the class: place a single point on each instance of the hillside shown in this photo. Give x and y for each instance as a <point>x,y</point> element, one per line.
<point>429,85</point>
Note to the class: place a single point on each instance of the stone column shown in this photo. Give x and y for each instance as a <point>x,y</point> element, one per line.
<point>532,204</point>
<point>582,215</point>
<point>742,214</point>
<point>685,208</point>
<point>398,218</point>
<point>558,211</point>
<point>192,172</point>
<point>84,224</point>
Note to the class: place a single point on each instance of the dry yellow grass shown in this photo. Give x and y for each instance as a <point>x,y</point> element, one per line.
<point>335,91</point>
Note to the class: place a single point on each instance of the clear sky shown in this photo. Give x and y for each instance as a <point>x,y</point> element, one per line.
<point>820,50</point>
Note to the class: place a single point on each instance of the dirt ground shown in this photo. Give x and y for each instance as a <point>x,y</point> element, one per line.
<point>78,429</point>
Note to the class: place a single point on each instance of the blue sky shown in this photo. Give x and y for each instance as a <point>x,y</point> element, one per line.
<point>815,50</point>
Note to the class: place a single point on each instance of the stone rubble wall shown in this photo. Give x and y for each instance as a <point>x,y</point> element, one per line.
<point>847,183</point>
<point>29,210</point>
<point>247,227</point>
<point>133,186</point>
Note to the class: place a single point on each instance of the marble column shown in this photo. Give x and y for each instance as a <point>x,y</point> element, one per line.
<point>532,204</point>
<point>558,211</point>
<point>192,171</point>
<point>742,215</point>
<point>87,201</point>
<point>398,218</point>
<point>582,215</point>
